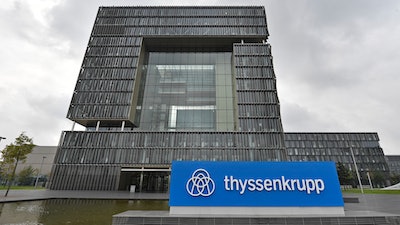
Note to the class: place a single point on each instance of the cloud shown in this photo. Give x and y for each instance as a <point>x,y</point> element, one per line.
<point>35,76</point>
<point>299,119</point>
<point>336,63</point>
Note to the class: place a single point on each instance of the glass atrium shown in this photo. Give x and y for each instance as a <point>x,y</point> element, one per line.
<point>187,91</point>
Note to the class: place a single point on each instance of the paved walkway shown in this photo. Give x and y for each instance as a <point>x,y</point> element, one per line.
<point>368,203</point>
<point>383,203</point>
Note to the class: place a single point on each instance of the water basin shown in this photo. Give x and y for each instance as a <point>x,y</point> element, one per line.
<point>72,211</point>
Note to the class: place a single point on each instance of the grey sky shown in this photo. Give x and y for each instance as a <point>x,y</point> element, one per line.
<point>337,64</point>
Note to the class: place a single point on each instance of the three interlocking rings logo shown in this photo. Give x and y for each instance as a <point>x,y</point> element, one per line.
<point>200,184</point>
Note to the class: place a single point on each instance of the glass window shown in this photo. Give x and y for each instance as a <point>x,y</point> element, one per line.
<point>187,91</point>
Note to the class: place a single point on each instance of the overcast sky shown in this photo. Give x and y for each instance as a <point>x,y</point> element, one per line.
<point>337,64</point>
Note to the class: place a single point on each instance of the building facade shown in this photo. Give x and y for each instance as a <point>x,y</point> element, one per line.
<point>40,159</point>
<point>338,147</point>
<point>394,164</point>
<point>159,84</point>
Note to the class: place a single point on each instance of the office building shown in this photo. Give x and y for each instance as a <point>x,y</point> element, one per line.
<point>40,159</point>
<point>340,147</point>
<point>393,162</point>
<point>159,84</point>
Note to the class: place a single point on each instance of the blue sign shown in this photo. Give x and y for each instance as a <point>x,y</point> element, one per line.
<point>246,184</point>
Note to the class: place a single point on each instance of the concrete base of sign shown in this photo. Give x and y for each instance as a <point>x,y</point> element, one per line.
<point>165,218</point>
<point>259,211</point>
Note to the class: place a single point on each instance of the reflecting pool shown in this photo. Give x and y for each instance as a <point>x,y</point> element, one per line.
<point>71,211</point>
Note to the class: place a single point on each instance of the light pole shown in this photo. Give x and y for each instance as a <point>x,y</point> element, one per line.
<point>355,166</point>
<point>40,171</point>
<point>369,179</point>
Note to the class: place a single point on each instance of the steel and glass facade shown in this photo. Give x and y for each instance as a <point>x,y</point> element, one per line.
<point>338,147</point>
<point>393,162</point>
<point>159,84</point>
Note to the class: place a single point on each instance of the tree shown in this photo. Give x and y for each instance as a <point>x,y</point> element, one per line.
<point>15,152</point>
<point>378,179</point>
<point>395,179</point>
<point>5,172</point>
<point>344,174</point>
<point>25,177</point>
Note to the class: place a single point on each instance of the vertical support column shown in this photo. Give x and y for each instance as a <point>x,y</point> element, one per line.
<point>123,126</point>
<point>73,126</point>
<point>141,180</point>
<point>98,125</point>
<point>169,178</point>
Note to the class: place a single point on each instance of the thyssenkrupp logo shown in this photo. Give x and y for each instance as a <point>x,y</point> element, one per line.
<point>200,184</point>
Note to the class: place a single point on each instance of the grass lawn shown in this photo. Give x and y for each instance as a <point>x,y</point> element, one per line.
<point>373,191</point>
<point>21,188</point>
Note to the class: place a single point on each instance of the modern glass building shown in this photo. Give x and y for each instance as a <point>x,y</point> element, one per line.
<point>159,84</point>
<point>394,164</point>
<point>338,147</point>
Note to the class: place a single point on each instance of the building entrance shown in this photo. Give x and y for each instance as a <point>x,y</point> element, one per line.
<point>144,180</point>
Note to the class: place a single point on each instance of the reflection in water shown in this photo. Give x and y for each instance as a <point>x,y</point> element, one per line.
<point>71,211</point>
